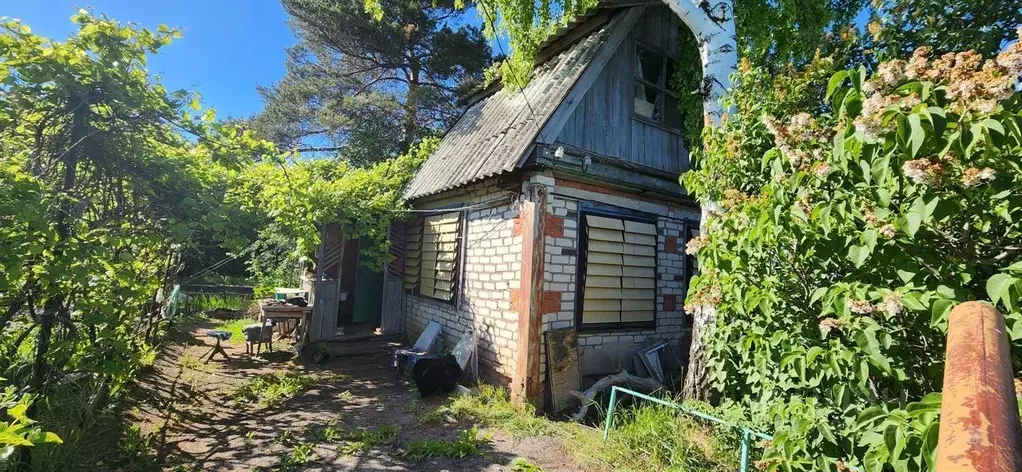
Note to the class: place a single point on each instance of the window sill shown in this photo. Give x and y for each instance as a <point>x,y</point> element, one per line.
<point>656,124</point>
<point>615,327</point>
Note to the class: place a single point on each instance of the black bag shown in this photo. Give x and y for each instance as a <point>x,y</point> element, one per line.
<point>436,375</point>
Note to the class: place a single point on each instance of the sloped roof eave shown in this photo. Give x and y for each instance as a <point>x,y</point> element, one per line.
<point>494,134</point>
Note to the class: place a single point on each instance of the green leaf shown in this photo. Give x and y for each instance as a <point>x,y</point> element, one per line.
<point>997,286</point>
<point>869,238</point>
<point>929,448</point>
<point>939,311</point>
<point>868,416</point>
<point>858,254</point>
<point>917,135</point>
<point>835,81</point>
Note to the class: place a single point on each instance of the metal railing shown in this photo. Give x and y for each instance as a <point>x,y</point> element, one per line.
<point>747,434</point>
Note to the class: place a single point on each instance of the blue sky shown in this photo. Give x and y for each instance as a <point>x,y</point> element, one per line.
<point>229,46</point>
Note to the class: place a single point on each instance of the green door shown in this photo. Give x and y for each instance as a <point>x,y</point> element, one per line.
<point>368,292</point>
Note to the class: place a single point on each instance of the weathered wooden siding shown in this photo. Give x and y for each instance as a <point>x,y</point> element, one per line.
<point>603,121</point>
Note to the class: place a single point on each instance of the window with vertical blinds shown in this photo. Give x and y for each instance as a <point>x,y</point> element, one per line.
<point>619,276</point>
<point>440,256</point>
<point>413,253</point>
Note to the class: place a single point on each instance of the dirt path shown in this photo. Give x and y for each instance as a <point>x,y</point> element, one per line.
<point>190,420</point>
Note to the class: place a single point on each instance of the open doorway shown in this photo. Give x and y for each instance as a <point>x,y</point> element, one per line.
<point>361,292</point>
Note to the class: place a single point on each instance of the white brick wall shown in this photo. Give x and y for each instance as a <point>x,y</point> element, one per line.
<point>560,264</point>
<point>492,268</point>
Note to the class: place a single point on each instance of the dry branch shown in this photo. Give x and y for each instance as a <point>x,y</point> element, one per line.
<point>621,378</point>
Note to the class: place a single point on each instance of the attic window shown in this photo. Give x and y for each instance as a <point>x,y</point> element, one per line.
<point>653,100</point>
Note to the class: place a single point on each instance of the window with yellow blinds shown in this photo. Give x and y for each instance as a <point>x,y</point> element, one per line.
<point>618,272</point>
<point>440,239</point>
<point>413,253</point>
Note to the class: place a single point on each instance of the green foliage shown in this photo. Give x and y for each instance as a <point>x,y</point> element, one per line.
<point>491,406</point>
<point>687,84</point>
<point>848,227</point>
<point>468,443</point>
<point>653,437</point>
<point>202,303</point>
<point>299,455</point>
<point>19,430</point>
<point>105,178</point>
<point>521,464</point>
<point>355,441</point>
<point>304,195</point>
<point>273,388</point>
<point>897,27</point>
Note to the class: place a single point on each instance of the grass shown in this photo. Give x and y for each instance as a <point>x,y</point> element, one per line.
<point>645,437</point>
<point>653,437</point>
<point>273,388</point>
<point>356,441</point>
<point>235,327</point>
<point>203,302</point>
<point>491,406</point>
<point>468,443</point>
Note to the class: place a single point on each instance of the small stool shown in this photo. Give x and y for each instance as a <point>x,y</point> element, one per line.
<point>258,334</point>
<point>218,349</point>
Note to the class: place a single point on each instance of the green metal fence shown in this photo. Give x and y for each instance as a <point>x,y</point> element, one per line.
<point>747,434</point>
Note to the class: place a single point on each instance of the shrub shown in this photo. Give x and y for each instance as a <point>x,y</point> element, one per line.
<point>846,232</point>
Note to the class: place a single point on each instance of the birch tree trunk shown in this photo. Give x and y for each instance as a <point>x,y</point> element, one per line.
<point>713,26</point>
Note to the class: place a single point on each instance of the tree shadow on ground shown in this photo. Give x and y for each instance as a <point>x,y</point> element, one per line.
<point>190,418</point>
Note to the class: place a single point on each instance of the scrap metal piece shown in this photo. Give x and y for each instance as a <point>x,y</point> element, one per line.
<point>979,424</point>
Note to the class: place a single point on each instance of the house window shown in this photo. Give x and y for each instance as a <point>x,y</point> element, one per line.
<point>654,101</point>
<point>617,273</point>
<point>439,259</point>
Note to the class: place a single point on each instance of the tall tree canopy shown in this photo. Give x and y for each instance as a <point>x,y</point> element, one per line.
<point>897,27</point>
<point>367,89</point>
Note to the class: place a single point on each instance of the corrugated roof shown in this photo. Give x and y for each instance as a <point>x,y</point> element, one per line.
<point>495,132</point>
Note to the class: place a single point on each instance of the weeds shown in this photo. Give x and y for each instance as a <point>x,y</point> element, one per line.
<point>355,441</point>
<point>520,464</point>
<point>492,406</point>
<point>300,454</point>
<point>468,443</point>
<point>655,438</point>
<point>147,356</point>
<point>270,389</point>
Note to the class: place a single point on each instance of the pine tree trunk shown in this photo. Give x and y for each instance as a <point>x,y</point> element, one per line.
<point>713,26</point>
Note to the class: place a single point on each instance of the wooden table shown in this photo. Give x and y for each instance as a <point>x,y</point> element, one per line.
<point>300,313</point>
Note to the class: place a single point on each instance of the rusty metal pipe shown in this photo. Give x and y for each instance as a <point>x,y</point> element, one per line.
<point>979,422</point>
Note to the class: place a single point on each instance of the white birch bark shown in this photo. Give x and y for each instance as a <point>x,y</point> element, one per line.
<point>713,26</point>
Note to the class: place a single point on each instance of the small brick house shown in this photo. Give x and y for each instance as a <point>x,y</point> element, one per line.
<point>557,206</point>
